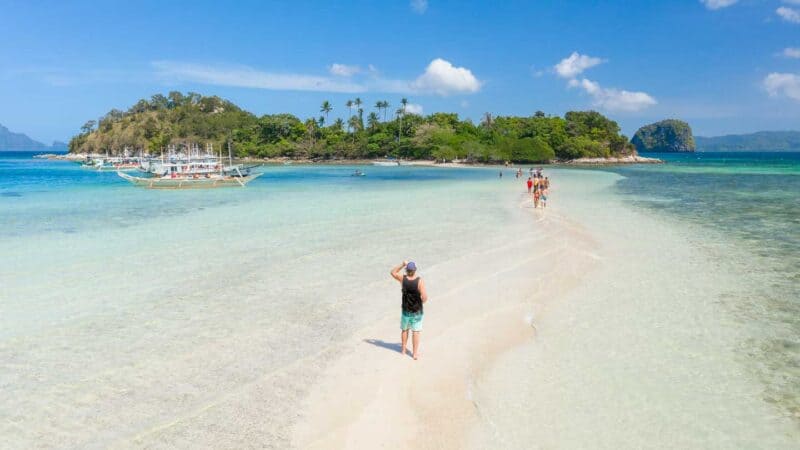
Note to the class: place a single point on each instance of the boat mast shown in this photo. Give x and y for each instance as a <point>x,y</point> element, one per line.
<point>230,157</point>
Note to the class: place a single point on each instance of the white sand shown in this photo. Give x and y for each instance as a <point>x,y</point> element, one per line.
<point>628,348</point>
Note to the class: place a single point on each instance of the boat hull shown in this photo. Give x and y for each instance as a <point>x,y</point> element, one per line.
<point>188,183</point>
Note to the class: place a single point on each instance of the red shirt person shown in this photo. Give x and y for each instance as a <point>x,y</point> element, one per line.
<point>530,184</point>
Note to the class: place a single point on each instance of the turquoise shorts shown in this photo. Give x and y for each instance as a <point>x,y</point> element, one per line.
<point>411,321</point>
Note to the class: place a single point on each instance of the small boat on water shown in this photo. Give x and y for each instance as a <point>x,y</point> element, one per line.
<point>358,173</point>
<point>112,164</point>
<point>191,171</point>
<point>192,181</point>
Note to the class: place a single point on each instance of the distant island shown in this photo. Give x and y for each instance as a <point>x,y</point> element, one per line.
<point>370,131</point>
<point>10,141</point>
<point>762,141</point>
<point>669,135</point>
<point>673,135</point>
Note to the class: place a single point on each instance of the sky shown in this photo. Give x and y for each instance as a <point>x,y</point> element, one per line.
<point>725,66</point>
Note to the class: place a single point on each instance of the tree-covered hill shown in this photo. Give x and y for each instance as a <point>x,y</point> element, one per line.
<point>151,125</point>
<point>665,136</point>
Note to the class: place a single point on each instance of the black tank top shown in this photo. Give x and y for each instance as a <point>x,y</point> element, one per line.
<point>412,299</point>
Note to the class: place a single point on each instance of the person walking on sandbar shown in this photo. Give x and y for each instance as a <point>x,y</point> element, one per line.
<point>414,295</point>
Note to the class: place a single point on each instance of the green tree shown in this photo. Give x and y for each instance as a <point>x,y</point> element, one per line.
<point>88,126</point>
<point>326,108</point>
<point>373,121</point>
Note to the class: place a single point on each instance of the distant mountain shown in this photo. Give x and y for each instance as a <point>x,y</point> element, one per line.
<point>761,141</point>
<point>665,136</point>
<point>17,141</point>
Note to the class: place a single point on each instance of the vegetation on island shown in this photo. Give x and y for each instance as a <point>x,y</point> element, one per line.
<point>761,141</point>
<point>369,132</point>
<point>669,135</point>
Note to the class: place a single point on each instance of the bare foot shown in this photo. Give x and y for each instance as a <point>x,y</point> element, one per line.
<point>416,356</point>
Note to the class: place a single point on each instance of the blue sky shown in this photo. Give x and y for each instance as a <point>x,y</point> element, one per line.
<point>725,66</point>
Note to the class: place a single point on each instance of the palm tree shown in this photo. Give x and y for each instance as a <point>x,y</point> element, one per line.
<point>399,112</point>
<point>358,102</point>
<point>402,112</point>
<point>385,109</point>
<point>379,105</point>
<point>338,124</point>
<point>353,123</point>
<point>373,120</point>
<point>350,107</point>
<point>361,117</point>
<point>326,108</point>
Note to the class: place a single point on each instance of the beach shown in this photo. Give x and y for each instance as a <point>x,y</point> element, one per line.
<point>266,317</point>
<point>563,342</point>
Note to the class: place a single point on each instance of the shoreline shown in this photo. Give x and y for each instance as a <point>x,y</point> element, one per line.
<point>609,161</point>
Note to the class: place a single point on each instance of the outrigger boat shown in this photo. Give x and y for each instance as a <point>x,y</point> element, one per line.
<point>112,164</point>
<point>191,171</point>
<point>193,181</point>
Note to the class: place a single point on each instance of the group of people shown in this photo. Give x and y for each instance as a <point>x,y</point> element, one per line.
<point>538,186</point>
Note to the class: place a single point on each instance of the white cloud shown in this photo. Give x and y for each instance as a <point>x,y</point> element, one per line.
<point>791,52</point>
<point>788,14</point>
<point>243,76</point>
<point>439,78</point>
<point>783,84</point>
<point>614,99</point>
<point>464,104</point>
<point>413,108</point>
<point>442,78</point>
<point>718,4</point>
<point>574,64</point>
<point>343,70</point>
<point>419,6</point>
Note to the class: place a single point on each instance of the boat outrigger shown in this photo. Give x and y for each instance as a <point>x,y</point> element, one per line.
<point>191,171</point>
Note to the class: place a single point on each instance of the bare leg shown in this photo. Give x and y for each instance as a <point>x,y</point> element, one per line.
<point>415,343</point>
<point>403,341</point>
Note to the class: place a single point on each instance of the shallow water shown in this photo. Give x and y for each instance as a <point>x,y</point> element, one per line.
<point>749,204</point>
<point>148,318</point>
<point>687,337</point>
<point>136,317</point>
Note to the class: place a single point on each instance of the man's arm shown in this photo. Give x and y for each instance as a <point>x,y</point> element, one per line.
<point>396,271</point>
<point>422,291</point>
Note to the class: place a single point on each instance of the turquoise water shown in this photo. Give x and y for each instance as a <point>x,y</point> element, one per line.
<point>123,309</point>
<point>131,317</point>
<point>751,202</point>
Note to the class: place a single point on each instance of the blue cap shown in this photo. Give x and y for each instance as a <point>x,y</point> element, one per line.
<point>411,266</point>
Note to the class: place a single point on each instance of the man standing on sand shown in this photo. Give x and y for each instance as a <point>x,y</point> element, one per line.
<point>414,295</point>
<point>530,184</point>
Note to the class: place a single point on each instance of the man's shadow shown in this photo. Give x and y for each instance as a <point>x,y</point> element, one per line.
<point>387,345</point>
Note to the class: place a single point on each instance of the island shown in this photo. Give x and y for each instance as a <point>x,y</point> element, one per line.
<point>669,135</point>
<point>161,122</point>
<point>11,141</point>
<point>760,141</point>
